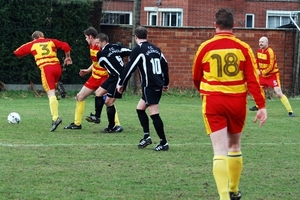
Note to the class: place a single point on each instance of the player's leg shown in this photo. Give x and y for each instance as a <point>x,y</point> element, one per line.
<point>159,128</point>
<point>236,122</point>
<point>220,162</point>
<point>118,127</point>
<point>111,112</point>
<point>99,103</point>
<point>284,100</point>
<point>112,94</point>
<point>53,104</point>
<point>96,118</point>
<point>117,121</point>
<point>80,104</point>
<point>144,121</point>
<point>100,97</point>
<point>216,128</point>
<point>235,164</point>
<point>99,100</point>
<point>152,98</point>
<point>79,109</point>
<point>49,77</point>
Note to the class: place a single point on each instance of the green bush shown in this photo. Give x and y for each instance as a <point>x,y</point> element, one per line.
<point>63,20</point>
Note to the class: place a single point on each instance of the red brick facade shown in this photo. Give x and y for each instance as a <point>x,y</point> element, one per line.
<point>180,45</point>
<point>201,12</point>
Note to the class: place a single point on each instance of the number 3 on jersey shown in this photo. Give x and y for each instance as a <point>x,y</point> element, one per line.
<point>225,64</point>
<point>156,68</point>
<point>43,49</point>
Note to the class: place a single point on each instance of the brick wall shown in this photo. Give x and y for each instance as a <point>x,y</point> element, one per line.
<point>202,12</point>
<point>179,46</point>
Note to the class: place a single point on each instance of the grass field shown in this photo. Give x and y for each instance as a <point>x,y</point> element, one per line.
<point>87,164</point>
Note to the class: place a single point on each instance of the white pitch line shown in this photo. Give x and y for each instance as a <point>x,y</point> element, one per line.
<point>112,144</point>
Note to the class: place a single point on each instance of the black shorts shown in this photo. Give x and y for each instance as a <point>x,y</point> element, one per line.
<point>110,85</point>
<point>151,96</point>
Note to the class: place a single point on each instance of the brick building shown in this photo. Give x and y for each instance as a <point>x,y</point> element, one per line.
<point>178,13</point>
<point>179,43</point>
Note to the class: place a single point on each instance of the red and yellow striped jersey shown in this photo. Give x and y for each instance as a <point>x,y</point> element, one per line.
<point>97,70</point>
<point>44,51</point>
<point>266,61</point>
<point>225,65</point>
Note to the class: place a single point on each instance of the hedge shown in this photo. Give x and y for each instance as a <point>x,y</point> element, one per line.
<point>63,20</point>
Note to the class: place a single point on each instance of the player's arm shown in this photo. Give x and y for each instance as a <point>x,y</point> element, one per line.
<point>23,50</point>
<point>125,52</point>
<point>130,67</point>
<point>252,80</point>
<point>68,59</point>
<point>165,70</point>
<point>197,71</point>
<point>66,48</point>
<point>83,72</point>
<point>61,45</point>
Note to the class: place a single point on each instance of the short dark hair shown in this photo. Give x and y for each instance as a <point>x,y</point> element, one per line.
<point>224,18</point>
<point>141,32</point>
<point>102,37</point>
<point>91,31</point>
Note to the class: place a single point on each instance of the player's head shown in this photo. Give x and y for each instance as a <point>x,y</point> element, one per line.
<point>224,19</point>
<point>141,32</point>
<point>90,34</point>
<point>263,42</point>
<point>37,34</point>
<point>101,40</point>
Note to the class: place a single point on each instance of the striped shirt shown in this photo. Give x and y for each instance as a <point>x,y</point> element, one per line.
<point>266,60</point>
<point>225,65</point>
<point>151,64</point>
<point>43,50</point>
<point>97,70</point>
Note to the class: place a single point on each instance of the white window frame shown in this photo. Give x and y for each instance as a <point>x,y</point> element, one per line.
<point>151,14</point>
<point>277,13</point>
<point>253,20</point>
<point>152,10</point>
<point>170,15</point>
<point>119,12</point>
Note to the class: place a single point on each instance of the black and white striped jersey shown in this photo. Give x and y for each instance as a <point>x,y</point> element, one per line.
<point>111,57</point>
<point>151,64</point>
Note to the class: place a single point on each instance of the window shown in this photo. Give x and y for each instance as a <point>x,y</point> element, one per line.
<point>164,16</point>
<point>249,21</point>
<point>116,17</point>
<point>171,19</point>
<point>152,18</point>
<point>278,18</point>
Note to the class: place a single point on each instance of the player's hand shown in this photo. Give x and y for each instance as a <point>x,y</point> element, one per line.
<point>165,88</point>
<point>68,61</point>
<point>120,89</point>
<point>261,115</point>
<point>83,72</point>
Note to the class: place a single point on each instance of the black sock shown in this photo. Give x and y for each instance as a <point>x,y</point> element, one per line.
<point>144,120</point>
<point>111,112</point>
<point>159,127</point>
<point>99,102</point>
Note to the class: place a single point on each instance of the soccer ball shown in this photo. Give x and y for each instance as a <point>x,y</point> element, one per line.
<point>13,118</point>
